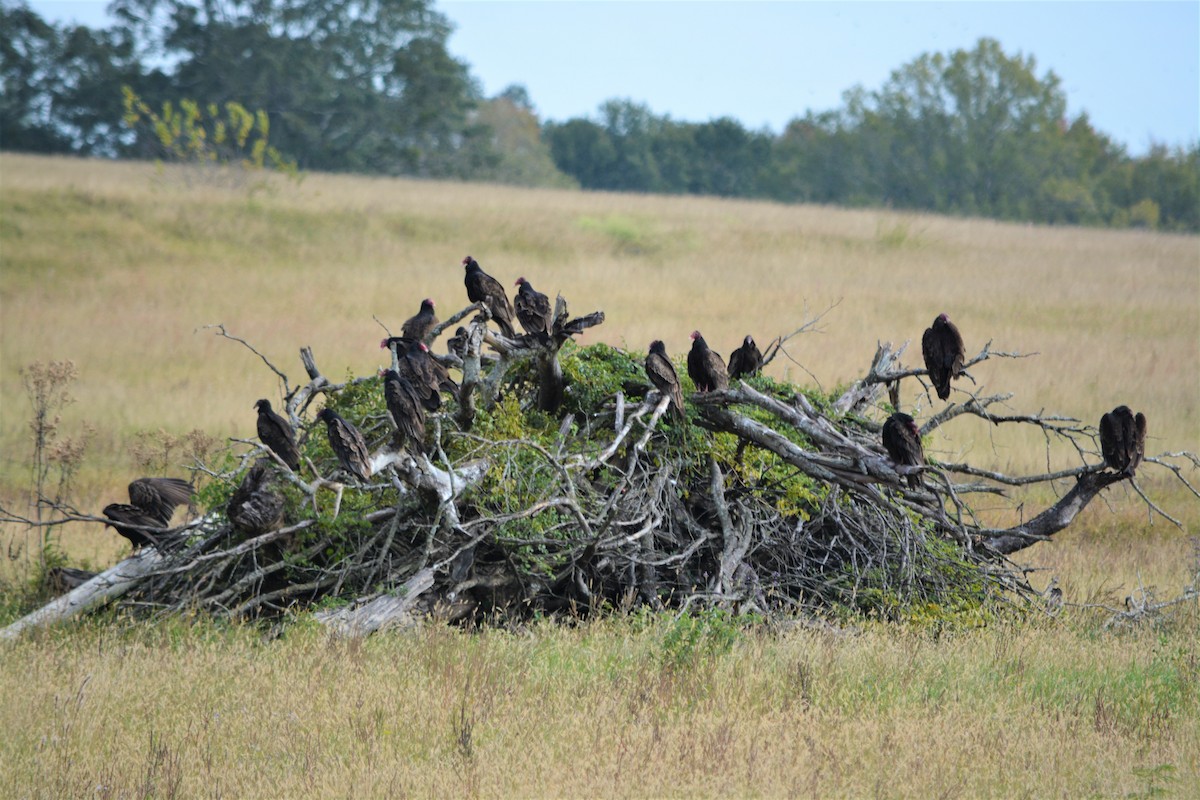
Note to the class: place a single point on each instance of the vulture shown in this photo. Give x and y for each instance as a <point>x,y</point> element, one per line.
<point>276,433</point>
<point>942,347</point>
<point>483,288</point>
<point>419,325</point>
<point>746,360</point>
<point>256,507</point>
<point>902,440</point>
<point>64,579</point>
<point>426,374</point>
<point>347,443</point>
<point>404,406</point>
<point>1123,439</point>
<point>661,373</point>
<point>457,344</point>
<point>706,368</point>
<point>533,309</point>
<point>152,501</point>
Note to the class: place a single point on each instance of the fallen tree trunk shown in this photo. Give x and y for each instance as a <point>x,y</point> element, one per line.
<point>108,585</point>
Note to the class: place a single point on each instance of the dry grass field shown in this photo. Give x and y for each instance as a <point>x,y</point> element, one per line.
<point>117,267</point>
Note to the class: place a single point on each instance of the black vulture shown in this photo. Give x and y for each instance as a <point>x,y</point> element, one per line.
<point>152,501</point>
<point>746,360</point>
<point>276,433</point>
<point>661,373</point>
<point>533,309</point>
<point>419,325</point>
<point>483,288</point>
<point>256,507</point>
<point>426,374</point>
<point>347,443</point>
<point>404,406</point>
<point>706,367</point>
<point>902,440</point>
<point>1123,439</point>
<point>942,347</point>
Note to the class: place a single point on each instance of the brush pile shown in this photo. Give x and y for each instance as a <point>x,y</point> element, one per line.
<point>554,482</point>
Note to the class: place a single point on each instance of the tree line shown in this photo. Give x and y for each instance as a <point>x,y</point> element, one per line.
<point>369,86</point>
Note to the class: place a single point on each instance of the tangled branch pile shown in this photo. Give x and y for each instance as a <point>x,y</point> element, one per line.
<point>554,481</point>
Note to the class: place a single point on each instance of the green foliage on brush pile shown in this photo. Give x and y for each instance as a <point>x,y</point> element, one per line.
<point>801,558</point>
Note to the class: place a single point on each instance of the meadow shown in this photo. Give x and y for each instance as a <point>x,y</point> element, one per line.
<point>119,266</point>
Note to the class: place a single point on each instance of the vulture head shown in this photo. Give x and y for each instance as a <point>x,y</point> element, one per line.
<point>427,304</point>
<point>657,346</point>
<point>263,405</point>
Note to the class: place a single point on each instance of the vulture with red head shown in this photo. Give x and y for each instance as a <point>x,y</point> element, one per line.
<point>661,373</point>
<point>533,309</point>
<point>405,408</point>
<point>1123,439</point>
<point>347,443</point>
<point>746,360</point>
<point>420,324</point>
<point>276,433</point>
<point>705,367</point>
<point>942,347</point>
<point>483,288</point>
<point>426,374</point>
<point>902,440</point>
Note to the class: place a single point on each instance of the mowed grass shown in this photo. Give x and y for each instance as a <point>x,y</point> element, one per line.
<point>117,268</point>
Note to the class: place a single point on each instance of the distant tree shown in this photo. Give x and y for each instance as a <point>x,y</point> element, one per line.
<point>513,150</point>
<point>62,86</point>
<point>363,85</point>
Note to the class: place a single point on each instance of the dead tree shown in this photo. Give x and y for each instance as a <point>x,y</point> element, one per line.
<point>764,498</point>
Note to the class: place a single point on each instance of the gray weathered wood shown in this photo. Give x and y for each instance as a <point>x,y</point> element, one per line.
<point>111,583</point>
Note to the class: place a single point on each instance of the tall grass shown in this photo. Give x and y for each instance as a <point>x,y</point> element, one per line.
<point>610,709</point>
<point>117,267</point>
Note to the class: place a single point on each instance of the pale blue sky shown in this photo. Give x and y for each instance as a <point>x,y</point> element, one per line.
<point>1133,66</point>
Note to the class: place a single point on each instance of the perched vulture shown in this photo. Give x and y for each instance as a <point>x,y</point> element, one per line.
<point>256,507</point>
<point>426,374</point>
<point>902,440</point>
<point>533,309</point>
<point>483,288</point>
<point>152,502</point>
<point>347,443</point>
<point>419,325</point>
<point>1123,439</point>
<point>746,360</point>
<point>661,373</point>
<point>942,346</point>
<point>64,579</point>
<point>457,344</point>
<point>276,433</point>
<point>705,367</point>
<point>404,406</point>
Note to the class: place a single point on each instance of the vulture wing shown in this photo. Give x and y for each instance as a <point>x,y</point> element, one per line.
<point>347,443</point>
<point>158,497</point>
<point>122,515</point>
<point>404,405</point>
<point>1111,434</point>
